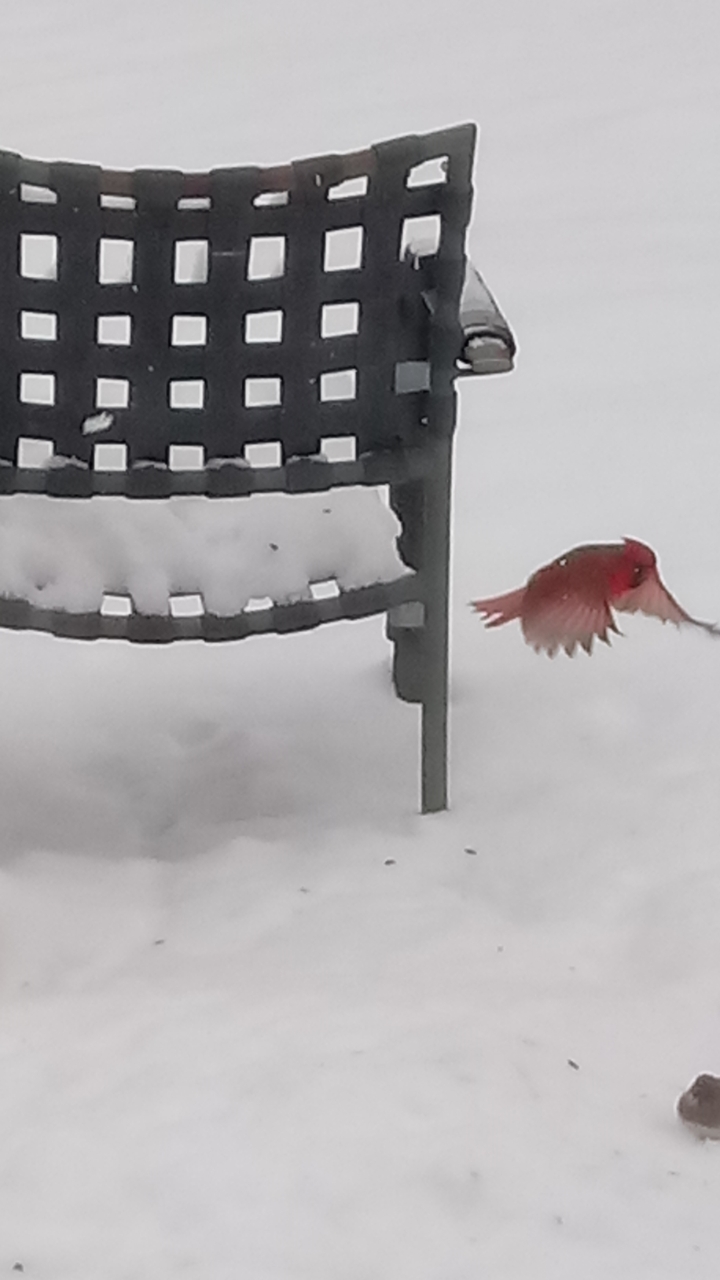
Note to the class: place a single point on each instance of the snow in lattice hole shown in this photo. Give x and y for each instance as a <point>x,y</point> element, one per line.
<point>33,453</point>
<point>349,189</point>
<point>37,388</point>
<point>187,606</point>
<point>114,331</point>
<point>343,249</point>
<point>338,319</point>
<point>271,199</point>
<point>109,201</point>
<point>187,393</point>
<point>38,326</point>
<point>262,392</point>
<point>194,202</point>
<point>421,236</point>
<point>339,448</point>
<point>116,606</point>
<point>110,457</point>
<point>429,173</point>
<point>340,384</point>
<point>257,603</point>
<point>327,590</point>
<point>39,257</point>
<point>265,453</point>
<point>112,393</point>
<point>264,326</point>
<point>115,261</point>
<point>186,457</point>
<point>31,193</point>
<point>266,257</point>
<point>191,263</point>
<point>188,331</point>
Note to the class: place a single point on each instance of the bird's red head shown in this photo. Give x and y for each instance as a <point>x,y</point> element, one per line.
<point>638,562</point>
<point>640,553</point>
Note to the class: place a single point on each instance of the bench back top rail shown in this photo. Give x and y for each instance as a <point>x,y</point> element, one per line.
<point>160,330</point>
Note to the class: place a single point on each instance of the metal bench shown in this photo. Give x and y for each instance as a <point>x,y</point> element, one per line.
<point>156,327</point>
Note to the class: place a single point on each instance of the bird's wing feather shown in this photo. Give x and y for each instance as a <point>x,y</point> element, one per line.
<point>565,622</point>
<point>499,609</point>
<point>653,599</point>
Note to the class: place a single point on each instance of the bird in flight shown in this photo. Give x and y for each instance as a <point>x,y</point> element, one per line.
<point>570,602</point>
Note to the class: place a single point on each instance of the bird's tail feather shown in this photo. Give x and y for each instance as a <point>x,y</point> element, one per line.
<point>497,610</point>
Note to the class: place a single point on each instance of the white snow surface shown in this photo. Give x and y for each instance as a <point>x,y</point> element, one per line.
<point>257,1017</point>
<point>68,554</point>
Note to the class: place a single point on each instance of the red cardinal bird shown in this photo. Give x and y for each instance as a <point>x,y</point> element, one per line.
<point>569,602</point>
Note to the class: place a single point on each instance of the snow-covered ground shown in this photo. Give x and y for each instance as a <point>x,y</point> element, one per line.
<point>257,1017</point>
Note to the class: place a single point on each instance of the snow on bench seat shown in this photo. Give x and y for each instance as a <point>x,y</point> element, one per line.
<point>72,555</point>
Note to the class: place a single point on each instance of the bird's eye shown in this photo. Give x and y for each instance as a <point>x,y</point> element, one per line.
<point>638,574</point>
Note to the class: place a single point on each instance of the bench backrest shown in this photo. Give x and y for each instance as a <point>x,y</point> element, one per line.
<point>155,325</point>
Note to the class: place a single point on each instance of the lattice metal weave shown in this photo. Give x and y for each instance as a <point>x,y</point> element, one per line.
<point>155,326</point>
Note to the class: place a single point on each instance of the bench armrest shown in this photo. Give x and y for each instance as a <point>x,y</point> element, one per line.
<point>488,342</point>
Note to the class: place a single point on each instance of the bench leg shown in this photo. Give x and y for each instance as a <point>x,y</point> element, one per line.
<point>436,573</point>
<point>405,628</point>
<point>420,631</point>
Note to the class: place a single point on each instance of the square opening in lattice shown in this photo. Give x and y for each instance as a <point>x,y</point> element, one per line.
<point>114,331</point>
<point>339,448</point>
<point>186,457</point>
<point>110,457</point>
<point>421,236</point>
<point>39,326</point>
<point>327,590</point>
<point>266,453</point>
<point>343,249</point>
<point>30,193</point>
<point>187,393</point>
<point>261,392</point>
<point>118,202</point>
<point>37,388</point>
<point>350,189</point>
<point>257,604</point>
<point>34,454</point>
<point>271,199</point>
<point>412,375</point>
<point>266,257</point>
<point>187,606</point>
<point>192,262</point>
<point>341,384</point>
<point>112,393</point>
<point>115,261</point>
<point>264,326</point>
<point>188,331</point>
<point>339,318</point>
<point>194,202</point>
<point>428,173</point>
<point>39,257</point>
<point>116,606</point>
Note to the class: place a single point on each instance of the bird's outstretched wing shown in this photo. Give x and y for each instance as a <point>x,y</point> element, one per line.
<point>653,599</point>
<point>565,622</point>
<point>553,616</point>
<point>499,609</point>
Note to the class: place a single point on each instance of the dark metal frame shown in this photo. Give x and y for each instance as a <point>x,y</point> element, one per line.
<point>349,228</point>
